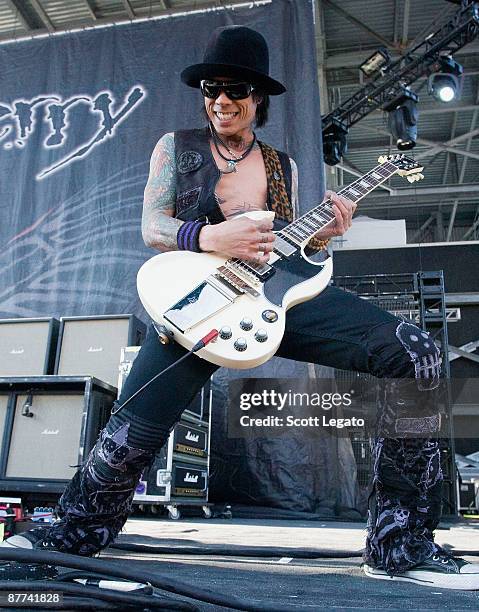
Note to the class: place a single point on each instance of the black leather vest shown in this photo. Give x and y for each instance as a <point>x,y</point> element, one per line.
<point>197,175</point>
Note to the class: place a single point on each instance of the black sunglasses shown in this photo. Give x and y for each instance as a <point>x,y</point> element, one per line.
<point>234,91</point>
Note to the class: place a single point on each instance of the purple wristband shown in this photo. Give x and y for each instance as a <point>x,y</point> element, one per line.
<point>188,236</point>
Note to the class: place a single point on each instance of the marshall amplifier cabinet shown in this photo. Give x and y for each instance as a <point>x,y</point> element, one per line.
<point>91,346</point>
<point>170,479</point>
<point>50,423</point>
<point>468,496</point>
<point>28,346</point>
<point>191,440</point>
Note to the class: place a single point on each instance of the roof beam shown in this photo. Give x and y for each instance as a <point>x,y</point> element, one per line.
<point>40,11</point>
<point>446,146</point>
<point>360,24</point>
<point>20,14</point>
<point>405,26</point>
<point>441,16</point>
<point>423,227</point>
<point>129,9</point>
<point>90,8</point>
<point>473,226</point>
<point>452,219</point>
<point>396,20</point>
<point>448,109</point>
<point>433,146</point>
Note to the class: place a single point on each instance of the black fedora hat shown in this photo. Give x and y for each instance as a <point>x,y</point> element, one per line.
<point>236,52</point>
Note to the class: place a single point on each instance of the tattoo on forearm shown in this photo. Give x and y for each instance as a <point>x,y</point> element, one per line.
<point>159,228</point>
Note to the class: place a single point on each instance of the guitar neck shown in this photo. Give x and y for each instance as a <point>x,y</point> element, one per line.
<point>303,229</point>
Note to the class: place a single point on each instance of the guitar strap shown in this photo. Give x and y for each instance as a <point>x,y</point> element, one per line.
<point>278,199</point>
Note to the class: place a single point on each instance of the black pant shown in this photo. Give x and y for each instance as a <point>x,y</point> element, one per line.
<point>335,329</point>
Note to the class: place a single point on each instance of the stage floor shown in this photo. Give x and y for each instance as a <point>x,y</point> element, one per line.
<point>285,583</point>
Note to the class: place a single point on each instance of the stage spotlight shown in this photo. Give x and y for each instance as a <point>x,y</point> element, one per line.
<point>375,62</point>
<point>334,141</point>
<point>445,83</point>
<point>402,120</point>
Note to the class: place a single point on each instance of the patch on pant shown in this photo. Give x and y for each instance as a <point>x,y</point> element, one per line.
<point>423,352</point>
<point>189,161</point>
<point>418,425</point>
<point>115,451</point>
<point>187,200</point>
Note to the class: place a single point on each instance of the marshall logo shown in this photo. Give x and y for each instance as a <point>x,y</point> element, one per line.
<point>17,351</point>
<point>93,349</point>
<point>191,478</point>
<point>50,432</point>
<point>192,437</point>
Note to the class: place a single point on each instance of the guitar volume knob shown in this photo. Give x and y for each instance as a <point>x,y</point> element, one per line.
<point>246,324</point>
<point>261,335</point>
<point>225,332</point>
<point>240,344</point>
<point>270,316</point>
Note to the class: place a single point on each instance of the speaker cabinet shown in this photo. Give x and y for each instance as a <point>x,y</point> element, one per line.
<point>91,346</point>
<point>50,425</point>
<point>4,401</point>
<point>171,478</point>
<point>28,346</point>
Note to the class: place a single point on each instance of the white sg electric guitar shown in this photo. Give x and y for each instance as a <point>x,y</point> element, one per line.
<point>192,294</point>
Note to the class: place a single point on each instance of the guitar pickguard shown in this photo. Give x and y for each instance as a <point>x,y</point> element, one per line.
<point>288,273</point>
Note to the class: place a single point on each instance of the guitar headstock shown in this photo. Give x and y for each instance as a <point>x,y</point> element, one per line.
<point>406,166</point>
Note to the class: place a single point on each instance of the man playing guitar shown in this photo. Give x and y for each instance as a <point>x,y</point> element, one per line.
<point>199,182</point>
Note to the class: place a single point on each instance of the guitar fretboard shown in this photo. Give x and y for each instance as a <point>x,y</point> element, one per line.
<point>302,229</point>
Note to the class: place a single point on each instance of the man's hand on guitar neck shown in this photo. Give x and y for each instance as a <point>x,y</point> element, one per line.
<point>242,237</point>
<point>343,209</point>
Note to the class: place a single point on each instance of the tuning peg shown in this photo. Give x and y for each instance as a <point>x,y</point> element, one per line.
<point>381,159</point>
<point>411,179</point>
<point>421,176</point>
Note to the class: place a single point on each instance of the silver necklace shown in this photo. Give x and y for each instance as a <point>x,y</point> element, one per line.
<point>231,163</point>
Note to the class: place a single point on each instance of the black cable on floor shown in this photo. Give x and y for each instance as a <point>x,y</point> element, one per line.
<point>255,551</point>
<point>239,551</point>
<point>112,567</point>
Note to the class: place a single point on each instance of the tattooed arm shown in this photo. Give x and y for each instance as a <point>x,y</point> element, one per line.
<point>158,226</point>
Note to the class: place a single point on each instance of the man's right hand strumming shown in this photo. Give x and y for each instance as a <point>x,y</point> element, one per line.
<point>242,237</point>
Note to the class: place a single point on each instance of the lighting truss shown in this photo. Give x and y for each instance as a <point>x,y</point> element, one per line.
<point>422,60</point>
